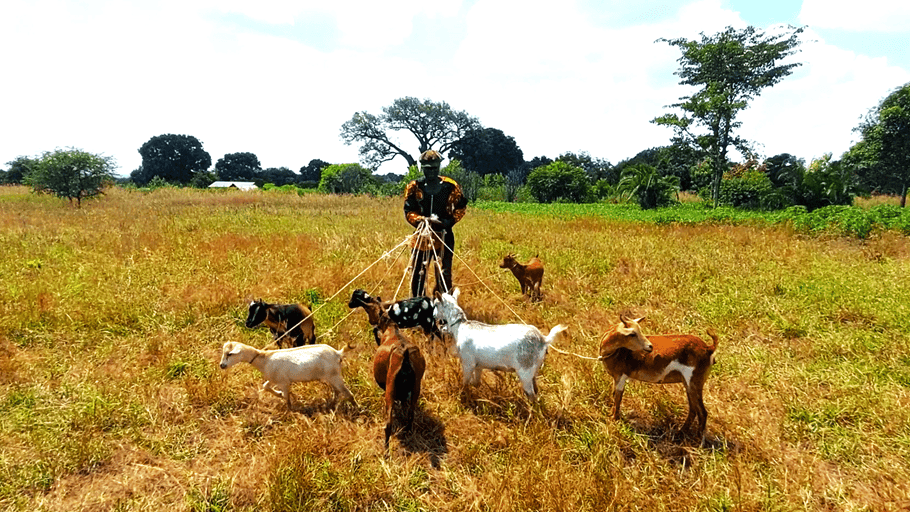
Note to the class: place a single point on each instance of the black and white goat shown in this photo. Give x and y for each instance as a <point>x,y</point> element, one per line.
<point>412,312</point>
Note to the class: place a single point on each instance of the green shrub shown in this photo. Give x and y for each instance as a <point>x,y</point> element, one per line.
<point>650,188</point>
<point>346,179</point>
<point>559,181</point>
<point>751,189</point>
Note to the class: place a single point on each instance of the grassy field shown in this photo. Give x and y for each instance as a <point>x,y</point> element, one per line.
<point>112,318</point>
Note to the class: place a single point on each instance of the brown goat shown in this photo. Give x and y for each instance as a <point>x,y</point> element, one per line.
<point>627,354</point>
<point>530,275</point>
<point>398,365</point>
<point>291,325</point>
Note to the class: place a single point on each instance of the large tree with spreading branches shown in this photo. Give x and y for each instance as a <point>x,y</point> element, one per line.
<point>434,125</point>
<point>173,158</point>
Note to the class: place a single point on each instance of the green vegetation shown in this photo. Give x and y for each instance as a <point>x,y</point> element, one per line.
<point>849,221</point>
<point>112,319</point>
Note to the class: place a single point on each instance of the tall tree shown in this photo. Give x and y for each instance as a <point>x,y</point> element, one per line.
<point>434,125</point>
<point>488,151</point>
<point>238,166</point>
<point>730,69</point>
<point>71,173</point>
<point>882,157</point>
<point>173,158</point>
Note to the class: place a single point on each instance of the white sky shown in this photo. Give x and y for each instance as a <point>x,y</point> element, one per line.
<point>279,77</point>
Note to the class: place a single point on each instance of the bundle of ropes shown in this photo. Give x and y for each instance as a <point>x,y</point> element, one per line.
<point>429,243</point>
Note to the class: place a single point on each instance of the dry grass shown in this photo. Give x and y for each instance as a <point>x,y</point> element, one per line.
<point>112,318</point>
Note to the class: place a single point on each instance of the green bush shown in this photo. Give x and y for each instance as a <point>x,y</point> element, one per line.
<point>347,179</point>
<point>559,181</point>
<point>752,189</point>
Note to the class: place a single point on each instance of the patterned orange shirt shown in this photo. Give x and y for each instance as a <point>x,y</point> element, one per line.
<point>448,204</point>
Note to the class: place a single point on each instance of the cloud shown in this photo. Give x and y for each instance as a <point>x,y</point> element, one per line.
<point>867,16</point>
<point>106,77</point>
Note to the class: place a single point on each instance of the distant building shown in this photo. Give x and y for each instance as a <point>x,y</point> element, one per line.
<point>242,185</point>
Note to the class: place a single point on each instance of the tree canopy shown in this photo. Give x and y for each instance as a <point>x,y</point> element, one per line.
<point>238,167</point>
<point>488,151</point>
<point>595,168</point>
<point>71,173</point>
<point>729,69</point>
<point>279,176</point>
<point>882,157</point>
<point>313,170</point>
<point>173,158</point>
<point>18,169</point>
<point>434,125</point>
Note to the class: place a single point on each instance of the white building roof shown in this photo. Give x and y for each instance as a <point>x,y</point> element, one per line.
<point>242,185</point>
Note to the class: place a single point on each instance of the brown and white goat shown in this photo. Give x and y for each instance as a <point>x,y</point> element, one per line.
<point>627,354</point>
<point>398,365</point>
<point>291,325</point>
<point>530,275</point>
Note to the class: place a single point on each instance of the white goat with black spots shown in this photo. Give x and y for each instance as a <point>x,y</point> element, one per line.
<point>412,312</point>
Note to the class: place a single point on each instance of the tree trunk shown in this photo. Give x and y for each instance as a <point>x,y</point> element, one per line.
<point>903,195</point>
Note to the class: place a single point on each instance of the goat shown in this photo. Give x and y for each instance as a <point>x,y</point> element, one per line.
<point>398,365</point>
<point>627,354</point>
<point>412,312</point>
<point>398,368</point>
<point>530,276</point>
<point>281,368</point>
<point>278,317</point>
<point>515,347</point>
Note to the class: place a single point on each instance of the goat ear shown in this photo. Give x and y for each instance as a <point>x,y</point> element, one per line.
<point>455,293</point>
<point>639,320</point>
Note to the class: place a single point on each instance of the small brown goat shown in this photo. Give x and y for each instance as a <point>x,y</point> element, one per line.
<point>627,354</point>
<point>398,365</point>
<point>530,275</point>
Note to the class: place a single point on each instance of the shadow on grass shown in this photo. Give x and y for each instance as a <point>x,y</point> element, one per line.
<point>679,447</point>
<point>426,436</point>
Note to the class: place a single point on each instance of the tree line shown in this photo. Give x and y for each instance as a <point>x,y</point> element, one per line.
<point>727,70</point>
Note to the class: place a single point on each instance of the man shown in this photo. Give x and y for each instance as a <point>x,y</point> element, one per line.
<point>439,200</point>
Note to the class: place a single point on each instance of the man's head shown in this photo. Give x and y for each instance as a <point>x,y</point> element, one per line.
<point>430,162</point>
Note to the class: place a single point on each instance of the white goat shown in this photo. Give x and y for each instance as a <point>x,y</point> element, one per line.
<point>513,347</point>
<point>281,368</point>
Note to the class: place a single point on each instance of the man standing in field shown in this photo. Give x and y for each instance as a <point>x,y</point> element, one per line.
<point>437,199</point>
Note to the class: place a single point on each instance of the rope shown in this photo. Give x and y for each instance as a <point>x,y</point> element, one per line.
<point>364,271</point>
<point>373,291</point>
<point>576,355</point>
<point>482,282</point>
<point>422,230</point>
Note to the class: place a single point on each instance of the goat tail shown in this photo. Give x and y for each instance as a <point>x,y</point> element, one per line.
<point>555,333</point>
<point>713,334</point>
<point>346,349</point>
